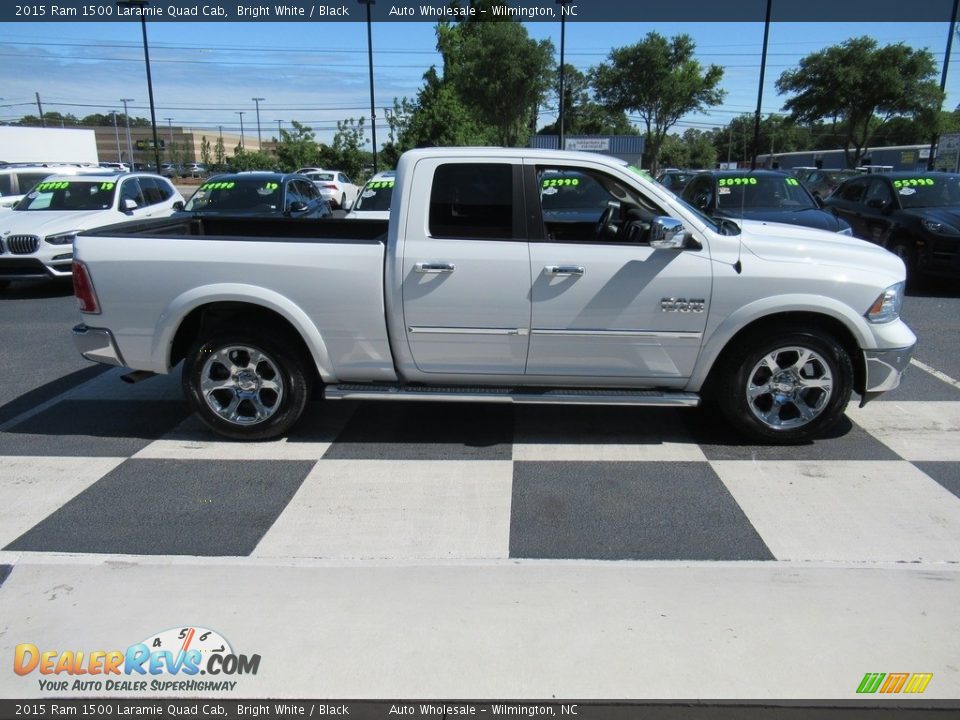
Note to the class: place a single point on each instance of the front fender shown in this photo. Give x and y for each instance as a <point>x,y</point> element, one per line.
<point>809,305</point>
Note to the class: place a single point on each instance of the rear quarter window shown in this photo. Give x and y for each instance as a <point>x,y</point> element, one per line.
<point>472,200</point>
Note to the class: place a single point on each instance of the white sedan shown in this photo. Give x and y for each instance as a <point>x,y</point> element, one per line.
<point>335,186</point>
<point>36,236</point>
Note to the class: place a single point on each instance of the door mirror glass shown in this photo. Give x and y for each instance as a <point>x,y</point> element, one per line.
<point>667,233</point>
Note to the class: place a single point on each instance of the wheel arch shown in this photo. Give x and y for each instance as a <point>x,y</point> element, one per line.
<point>793,320</point>
<point>202,314</point>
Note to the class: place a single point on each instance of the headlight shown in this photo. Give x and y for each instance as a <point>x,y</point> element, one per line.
<point>939,228</point>
<point>887,306</point>
<point>62,238</point>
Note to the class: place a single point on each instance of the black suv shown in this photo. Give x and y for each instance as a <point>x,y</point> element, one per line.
<point>915,215</point>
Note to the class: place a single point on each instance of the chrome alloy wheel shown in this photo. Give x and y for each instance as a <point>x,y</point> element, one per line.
<point>789,387</point>
<point>242,385</point>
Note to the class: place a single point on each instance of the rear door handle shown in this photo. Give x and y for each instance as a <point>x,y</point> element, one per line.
<point>434,267</point>
<point>563,270</point>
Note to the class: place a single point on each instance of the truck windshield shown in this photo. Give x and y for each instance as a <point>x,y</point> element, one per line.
<point>69,195</point>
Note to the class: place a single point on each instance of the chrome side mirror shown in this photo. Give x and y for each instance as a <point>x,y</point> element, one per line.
<point>667,233</point>
<point>128,204</point>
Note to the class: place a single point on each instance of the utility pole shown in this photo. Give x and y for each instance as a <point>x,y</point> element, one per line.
<point>126,114</point>
<point>240,113</point>
<point>259,139</point>
<point>373,111</point>
<point>763,67</point>
<point>43,123</point>
<point>170,124</point>
<point>116,132</point>
<point>943,76</point>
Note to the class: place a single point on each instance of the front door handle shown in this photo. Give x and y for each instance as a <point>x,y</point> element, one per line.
<point>563,270</point>
<point>434,267</point>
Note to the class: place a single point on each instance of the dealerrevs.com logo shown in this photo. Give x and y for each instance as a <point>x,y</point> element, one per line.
<point>170,661</point>
<point>893,683</point>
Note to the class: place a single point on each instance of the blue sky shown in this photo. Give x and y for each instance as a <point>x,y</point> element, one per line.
<point>205,73</point>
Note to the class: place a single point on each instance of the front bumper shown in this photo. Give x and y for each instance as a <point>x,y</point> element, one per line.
<point>883,370</point>
<point>98,345</point>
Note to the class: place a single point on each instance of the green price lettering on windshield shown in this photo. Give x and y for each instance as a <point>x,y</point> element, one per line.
<point>913,182</point>
<point>217,186</point>
<point>381,184</point>
<point>792,181</point>
<point>106,186</point>
<point>561,182</point>
<point>730,182</point>
<point>271,186</point>
<point>51,186</point>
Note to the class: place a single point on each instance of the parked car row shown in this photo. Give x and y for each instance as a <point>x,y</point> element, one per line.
<point>45,212</point>
<point>915,215</point>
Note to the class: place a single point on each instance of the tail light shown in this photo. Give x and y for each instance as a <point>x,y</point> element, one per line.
<point>330,186</point>
<point>83,289</point>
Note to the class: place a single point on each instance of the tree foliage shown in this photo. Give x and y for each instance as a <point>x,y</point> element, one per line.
<point>582,114</point>
<point>498,72</point>
<point>251,160</point>
<point>659,80</point>
<point>297,148</point>
<point>857,83</point>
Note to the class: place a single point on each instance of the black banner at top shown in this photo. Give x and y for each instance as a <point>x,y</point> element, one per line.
<point>436,10</point>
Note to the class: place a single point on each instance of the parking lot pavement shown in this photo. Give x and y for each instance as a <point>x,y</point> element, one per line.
<point>394,549</point>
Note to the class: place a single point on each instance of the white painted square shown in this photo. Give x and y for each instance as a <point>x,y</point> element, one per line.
<point>31,488</point>
<point>348,509</point>
<point>914,430</point>
<point>846,511</point>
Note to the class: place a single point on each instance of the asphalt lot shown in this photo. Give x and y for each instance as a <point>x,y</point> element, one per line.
<point>396,548</point>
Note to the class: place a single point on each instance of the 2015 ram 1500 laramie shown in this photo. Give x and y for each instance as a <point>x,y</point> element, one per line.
<point>502,275</point>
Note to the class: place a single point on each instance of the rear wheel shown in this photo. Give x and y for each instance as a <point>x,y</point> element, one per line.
<point>785,389</point>
<point>247,386</point>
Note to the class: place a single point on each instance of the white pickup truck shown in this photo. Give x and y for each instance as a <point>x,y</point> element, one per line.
<point>502,275</point>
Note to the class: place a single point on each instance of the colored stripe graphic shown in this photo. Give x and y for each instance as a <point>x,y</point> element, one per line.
<point>918,683</point>
<point>894,683</point>
<point>870,682</point>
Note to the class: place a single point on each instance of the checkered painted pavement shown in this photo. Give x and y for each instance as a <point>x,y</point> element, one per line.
<point>109,468</point>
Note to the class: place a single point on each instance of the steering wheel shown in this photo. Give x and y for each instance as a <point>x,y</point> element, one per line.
<point>604,222</point>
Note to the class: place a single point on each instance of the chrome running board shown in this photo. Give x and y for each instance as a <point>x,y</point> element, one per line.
<point>536,396</point>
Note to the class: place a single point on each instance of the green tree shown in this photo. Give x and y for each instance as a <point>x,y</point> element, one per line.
<point>659,80</point>
<point>582,114</point>
<point>858,85</point>
<point>205,152</point>
<point>251,160</point>
<point>297,147</point>
<point>497,71</point>
<point>219,154</point>
<point>347,152</point>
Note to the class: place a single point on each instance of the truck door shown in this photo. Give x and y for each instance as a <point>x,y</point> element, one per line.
<point>606,305</point>
<point>466,269</point>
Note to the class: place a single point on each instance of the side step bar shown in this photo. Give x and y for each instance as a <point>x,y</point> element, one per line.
<point>536,396</point>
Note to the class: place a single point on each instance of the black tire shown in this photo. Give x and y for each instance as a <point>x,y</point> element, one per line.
<point>265,395</point>
<point>786,388</point>
<point>343,200</point>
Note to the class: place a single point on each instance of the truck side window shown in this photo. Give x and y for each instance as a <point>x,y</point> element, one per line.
<point>472,200</point>
<point>580,205</point>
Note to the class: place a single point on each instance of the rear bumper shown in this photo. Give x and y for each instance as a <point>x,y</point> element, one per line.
<point>98,345</point>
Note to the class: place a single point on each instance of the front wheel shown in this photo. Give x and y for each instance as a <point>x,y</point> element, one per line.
<point>246,386</point>
<point>787,389</point>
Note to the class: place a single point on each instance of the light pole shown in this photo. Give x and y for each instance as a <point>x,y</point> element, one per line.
<point>259,139</point>
<point>763,67</point>
<point>170,124</point>
<point>126,114</point>
<point>142,6</point>
<point>116,133</point>
<point>240,113</point>
<point>279,130</point>
<point>373,110</point>
<point>943,76</point>
<point>563,6</point>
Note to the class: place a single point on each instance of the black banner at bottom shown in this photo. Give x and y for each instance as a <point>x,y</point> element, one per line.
<point>106,709</point>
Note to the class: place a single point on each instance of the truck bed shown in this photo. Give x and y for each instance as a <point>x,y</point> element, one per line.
<point>281,229</point>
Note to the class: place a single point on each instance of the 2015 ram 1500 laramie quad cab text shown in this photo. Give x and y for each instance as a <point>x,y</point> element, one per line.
<point>502,275</point>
